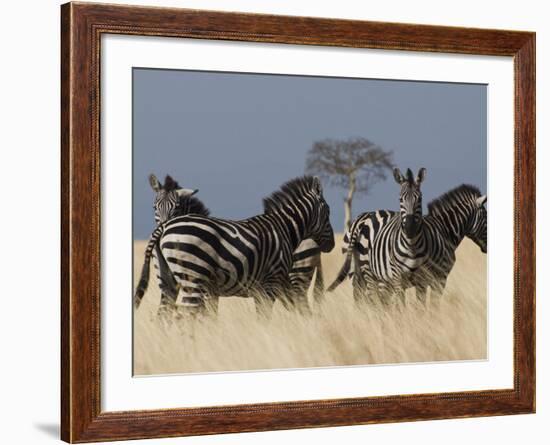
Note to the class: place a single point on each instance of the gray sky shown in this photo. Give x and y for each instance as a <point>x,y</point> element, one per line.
<point>237,137</point>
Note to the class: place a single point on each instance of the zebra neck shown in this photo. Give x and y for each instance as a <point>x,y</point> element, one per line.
<point>454,226</point>
<point>411,247</point>
<point>291,227</point>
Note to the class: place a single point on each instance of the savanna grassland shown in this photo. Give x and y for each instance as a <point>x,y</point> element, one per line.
<point>337,333</point>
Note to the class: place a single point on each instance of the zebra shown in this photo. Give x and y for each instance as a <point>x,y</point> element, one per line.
<point>306,262</point>
<point>457,214</point>
<point>211,257</point>
<point>170,201</point>
<point>356,244</point>
<point>397,248</point>
<point>167,204</point>
<point>386,246</point>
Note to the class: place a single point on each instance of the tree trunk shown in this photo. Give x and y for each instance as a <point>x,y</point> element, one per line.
<point>348,200</point>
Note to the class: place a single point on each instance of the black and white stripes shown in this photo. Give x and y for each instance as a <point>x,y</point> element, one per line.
<point>306,264</point>
<point>170,201</point>
<point>394,242</point>
<point>211,257</point>
<point>276,254</point>
<point>387,252</point>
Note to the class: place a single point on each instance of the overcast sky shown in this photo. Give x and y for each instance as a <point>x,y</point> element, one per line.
<point>237,137</point>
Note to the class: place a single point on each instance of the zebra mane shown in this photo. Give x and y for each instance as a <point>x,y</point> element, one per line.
<point>170,184</point>
<point>410,177</point>
<point>448,199</point>
<point>193,205</point>
<point>289,192</point>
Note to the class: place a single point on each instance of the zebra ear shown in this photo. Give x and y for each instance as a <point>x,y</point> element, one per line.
<point>421,176</point>
<point>170,184</point>
<point>155,184</point>
<point>399,178</point>
<point>184,193</point>
<point>481,200</point>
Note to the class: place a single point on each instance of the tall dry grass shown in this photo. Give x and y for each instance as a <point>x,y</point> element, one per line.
<point>337,333</point>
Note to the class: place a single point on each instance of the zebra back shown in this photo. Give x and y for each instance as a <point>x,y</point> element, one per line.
<point>357,241</point>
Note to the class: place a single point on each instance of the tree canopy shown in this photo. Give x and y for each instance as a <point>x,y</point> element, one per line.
<point>354,162</point>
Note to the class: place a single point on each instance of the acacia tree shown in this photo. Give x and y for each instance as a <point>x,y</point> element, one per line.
<point>354,164</point>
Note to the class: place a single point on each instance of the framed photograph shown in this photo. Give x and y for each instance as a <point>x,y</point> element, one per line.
<point>274,222</point>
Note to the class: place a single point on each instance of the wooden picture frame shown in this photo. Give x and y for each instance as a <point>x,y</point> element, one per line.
<point>82,26</point>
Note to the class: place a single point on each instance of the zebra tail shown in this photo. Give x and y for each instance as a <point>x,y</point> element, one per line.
<point>344,271</point>
<point>144,279</point>
<point>350,249</point>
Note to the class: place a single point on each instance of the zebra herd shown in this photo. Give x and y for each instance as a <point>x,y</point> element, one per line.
<point>277,254</point>
<point>200,258</point>
<point>392,251</point>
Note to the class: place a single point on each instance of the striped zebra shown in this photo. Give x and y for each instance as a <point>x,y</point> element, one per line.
<point>395,244</point>
<point>306,262</point>
<point>457,214</point>
<point>170,201</point>
<point>210,257</point>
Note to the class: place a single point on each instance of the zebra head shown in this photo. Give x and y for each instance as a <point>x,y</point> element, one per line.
<point>169,198</point>
<point>300,205</point>
<point>477,231</point>
<point>322,232</point>
<point>410,201</point>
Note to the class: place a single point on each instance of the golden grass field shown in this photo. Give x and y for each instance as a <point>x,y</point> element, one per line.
<point>337,333</point>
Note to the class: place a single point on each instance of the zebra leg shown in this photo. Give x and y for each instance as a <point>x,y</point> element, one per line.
<point>264,305</point>
<point>386,293</point>
<point>295,298</point>
<point>299,302</point>
<point>421,293</point>
<point>168,285</point>
<point>168,297</point>
<point>360,293</point>
<point>264,299</point>
<point>303,305</point>
<point>400,293</point>
<point>373,294</point>
<point>360,284</point>
<point>191,300</point>
<point>211,304</point>
<point>319,286</point>
<point>438,286</point>
<point>167,306</point>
